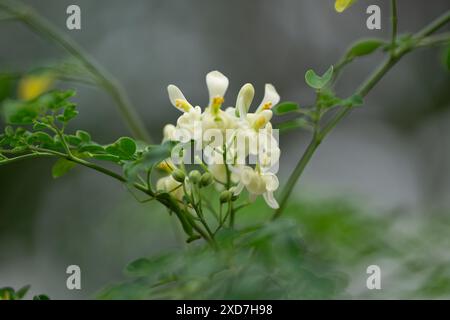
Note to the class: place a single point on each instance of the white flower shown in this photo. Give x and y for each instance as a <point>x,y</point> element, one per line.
<point>177,98</point>
<point>191,121</point>
<point>169,133</point>
<point>271,98</point>
<point>250,124</point>
<point>217,85</point>
<point>170,185</point>
<point>263,113</point>
<point>245,98</point>
<point>258,182</point>
<point>268,150</point>
<point>214,117</point>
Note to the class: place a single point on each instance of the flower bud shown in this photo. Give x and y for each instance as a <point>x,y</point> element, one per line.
<point>178,175</point>
<point>225,196</point>
<point>206,179</point>
<point>195,176</point>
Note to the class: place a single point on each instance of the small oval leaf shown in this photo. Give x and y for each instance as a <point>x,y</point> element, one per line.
<point>363,48</point>
<point>286,107</point>
<point>61,167</point>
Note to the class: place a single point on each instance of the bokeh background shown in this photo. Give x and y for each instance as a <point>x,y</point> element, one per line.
<point>389,159</point>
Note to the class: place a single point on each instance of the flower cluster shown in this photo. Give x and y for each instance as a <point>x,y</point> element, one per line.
<point>239,149</point>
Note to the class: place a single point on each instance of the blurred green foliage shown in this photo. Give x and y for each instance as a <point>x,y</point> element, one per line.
<point>8,293</point>
<point>319,250</point>
<point>268,262</point>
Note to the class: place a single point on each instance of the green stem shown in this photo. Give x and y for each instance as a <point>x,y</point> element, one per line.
<point>434,25</point>
<point>231,213</point>
<point>394,22</point>
<point>37,23</point>
<point>55,73</point>
<point>25,156</point>
<point>439,39</point>
<point>287,190</point>
<point>39,152</point>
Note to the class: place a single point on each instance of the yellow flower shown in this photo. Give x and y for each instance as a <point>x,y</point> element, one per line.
<point>341,5</point>
<point>32,86</point>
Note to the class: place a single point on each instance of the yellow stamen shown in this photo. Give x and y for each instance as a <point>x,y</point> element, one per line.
<point>183,105</point>
<point>218,100</point>
<point>216,104</point>
<point>267,106</point>
<point>165,166</point>
<point>259,123</point>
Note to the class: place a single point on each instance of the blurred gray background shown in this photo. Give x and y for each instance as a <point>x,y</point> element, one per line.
<point>393,153</point>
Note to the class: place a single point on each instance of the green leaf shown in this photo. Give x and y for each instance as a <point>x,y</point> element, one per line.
<point>364,47</point>
<point>83,135</point>
<point>105,157</point>
<point>285,107</point>
<point>22,292</point>
<point>25,112</point>
<point>58,99</point>
<point>21,113</point>
<point>127,145</point>
<point>41,138</point>
<point>61,167</point>
<point>123,148</point>
<point>72,140</point>
<point>318,82</point>
<point>152,155</point>
<point>300,123</point>
<point>7,293</point>
<point>91,147</point>
<point>148,266</point>
<point>37,125</point>
<point>41,297</point>
<point>69,113</point>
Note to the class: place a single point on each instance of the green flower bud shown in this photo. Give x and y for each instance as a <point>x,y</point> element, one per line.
<point>195,176</point>
<point>225,196</point>
<point>234,196</point>
<point>206,179</point>
<point>178,175</point>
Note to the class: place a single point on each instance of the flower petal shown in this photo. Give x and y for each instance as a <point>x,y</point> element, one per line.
<point>271,98</point>
<point>261,119</point>
<point>270,200</point>
<point>217,85</point>
<point>238,189</point>
<point>271,181</point>
<point>244,99</point>
<point>177,98</point>
<point>247,175</point>
<point>169,132</point>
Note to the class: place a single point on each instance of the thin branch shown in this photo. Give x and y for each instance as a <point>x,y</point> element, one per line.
<point>394,23</point>
<point>25,157</point>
